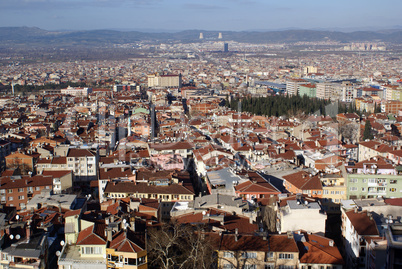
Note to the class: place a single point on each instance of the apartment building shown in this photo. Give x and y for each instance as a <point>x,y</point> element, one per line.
<point>16,191</point>
<point>375,177</point>
<point>83,163</point>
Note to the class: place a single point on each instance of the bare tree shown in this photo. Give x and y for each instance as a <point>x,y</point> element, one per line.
<point>179,246</point>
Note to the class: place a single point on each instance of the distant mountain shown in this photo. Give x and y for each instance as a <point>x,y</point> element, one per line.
<point>32,36</point>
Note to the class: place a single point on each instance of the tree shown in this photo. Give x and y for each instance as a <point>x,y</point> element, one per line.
<point>367,131</point>
<point>176,245</point>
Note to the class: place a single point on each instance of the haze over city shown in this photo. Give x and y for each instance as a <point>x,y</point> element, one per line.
<point>175,15</point>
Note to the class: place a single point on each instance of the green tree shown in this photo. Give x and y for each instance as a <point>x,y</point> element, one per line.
<point>367,131</point>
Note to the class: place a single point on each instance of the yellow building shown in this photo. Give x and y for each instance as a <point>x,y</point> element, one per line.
<point>127,250</point>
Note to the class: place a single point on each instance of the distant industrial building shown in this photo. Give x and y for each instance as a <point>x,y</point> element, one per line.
<point>167,81</point>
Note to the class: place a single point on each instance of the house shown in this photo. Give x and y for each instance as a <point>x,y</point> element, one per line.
<point>303,183</point>
<point>253,251</point>
<point>316,251</point>
<point>292,212</point>
<point>126,249</point>
<point>18,190</point>
<point>356,226</point>
<point>255,187</point>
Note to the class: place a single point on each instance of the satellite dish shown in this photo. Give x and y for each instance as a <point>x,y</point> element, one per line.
<point>204,212</point>
<point>11,236</point>
<point>58,253</point>
<point>17,217</point>
<point>124,221</point>
<point>62,242</point>
<point>18,237</point>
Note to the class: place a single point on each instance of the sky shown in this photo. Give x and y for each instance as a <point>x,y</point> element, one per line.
<point>219,15</point>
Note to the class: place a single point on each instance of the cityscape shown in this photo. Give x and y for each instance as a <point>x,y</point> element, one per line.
<point>174,148</point>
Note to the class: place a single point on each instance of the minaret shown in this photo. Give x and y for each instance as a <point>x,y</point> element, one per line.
<point>129,127</point>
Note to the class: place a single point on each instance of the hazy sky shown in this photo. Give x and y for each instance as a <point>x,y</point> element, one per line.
<point>221,15</point>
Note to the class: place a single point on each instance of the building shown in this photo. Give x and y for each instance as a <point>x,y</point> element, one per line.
<point>292,214</point>
<point>76,91</point>
<point>252,251</point>
<point>16,191</point>
<point>309,90</point>
<point>303,183</point>
<point>292,85</point>
<point>83,163</point>
<point>372,178</point>
<point>394,246</point>
<point>356,226</point>
<point>165,81</point>
<point>126,249</point>
<point>324,90</point>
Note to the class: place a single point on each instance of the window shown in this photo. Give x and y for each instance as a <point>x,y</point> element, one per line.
<point>392,189</point>
<point>10,198</point>
<point>21,197</point>
<point>270,255</point>
<point>228,254</point>
<point>37,188</point>
<point>228,266</point>
<point>286,267</point>
<point>249,255</point>
<point>325,191</point>
<point>392,181</point>
<point>353,180</point>
<point>250,266</point>
<point>353,188</point>
<point>91,250</point>
<point>285,256</point>
<point>10,191</point>
<point>372,180</point>
<point>364,180</point>
<point>269,266</point>
<point>20,189</point>
<point>363,189</point>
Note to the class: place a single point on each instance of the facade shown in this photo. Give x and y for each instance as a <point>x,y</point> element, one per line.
<point>309,90</point>
<point>83,163</point>
<point>292,85</point>
<point>127,250</point>
<point>324,90</point>
<point>394,247</point>
<point>292,216</point>
<point>76,91</point>
<point>167,81</point>
<point>17,191</point>
<point>376,177</point>
<point>355,227</point>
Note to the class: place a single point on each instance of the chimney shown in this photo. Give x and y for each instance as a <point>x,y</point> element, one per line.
<point>109,234</point>
<point>105,169</point>
<point>28,231</point>
<point>122,169</point>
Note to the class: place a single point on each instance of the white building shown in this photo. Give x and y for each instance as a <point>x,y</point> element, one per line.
<point>301,215</point>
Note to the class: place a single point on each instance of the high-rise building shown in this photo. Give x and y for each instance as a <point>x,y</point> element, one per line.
<point>220,36</point>
<point>201,36</point>
<point>225,47</point>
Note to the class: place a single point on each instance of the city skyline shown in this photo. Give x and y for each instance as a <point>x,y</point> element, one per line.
<point>224,15</point>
